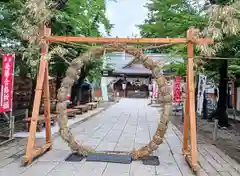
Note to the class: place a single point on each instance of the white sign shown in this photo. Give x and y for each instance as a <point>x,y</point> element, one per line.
<point>201,88</point>
<point>104,88</point>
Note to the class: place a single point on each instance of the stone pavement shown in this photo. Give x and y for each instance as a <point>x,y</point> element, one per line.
<point>125,125</point>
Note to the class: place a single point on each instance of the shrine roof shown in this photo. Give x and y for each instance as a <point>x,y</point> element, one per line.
<point>133,70</point>
<point>122,63</point>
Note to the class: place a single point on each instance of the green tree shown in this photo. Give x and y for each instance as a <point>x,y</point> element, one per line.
<point>180,68</point>
<point>77,18</point>
<point>172,18</point>
<point>219,19</point>
<point>80,18</point>
<point>223,26</point>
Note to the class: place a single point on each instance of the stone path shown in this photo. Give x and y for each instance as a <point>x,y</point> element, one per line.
<point>228,140</point>
<point>54,129</point>
<point>127,124</point>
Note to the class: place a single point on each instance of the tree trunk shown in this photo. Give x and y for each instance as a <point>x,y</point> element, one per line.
<point>222,102</point>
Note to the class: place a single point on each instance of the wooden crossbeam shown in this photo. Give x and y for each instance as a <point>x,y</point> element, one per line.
<point>124,40</point>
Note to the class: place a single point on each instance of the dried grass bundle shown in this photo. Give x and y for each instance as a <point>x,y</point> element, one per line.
<point>34,14</point>
<point>72,75</point>
<point>223,21</point>
<point>58,50</point>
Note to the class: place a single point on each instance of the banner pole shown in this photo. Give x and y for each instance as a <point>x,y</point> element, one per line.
<point>11,114</point>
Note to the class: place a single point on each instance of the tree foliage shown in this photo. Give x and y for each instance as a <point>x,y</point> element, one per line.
<point>216,18</point>
<point>172,18</point>
<point>22,18</point>
<point>224,26</point>
<point>77,18</point>
<point>82,18</point>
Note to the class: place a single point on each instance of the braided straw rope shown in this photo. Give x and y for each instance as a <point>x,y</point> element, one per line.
<point>72,75</point>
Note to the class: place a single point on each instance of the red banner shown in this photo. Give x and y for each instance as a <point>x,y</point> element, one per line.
<point>177,93</point>
<point>7,83</point>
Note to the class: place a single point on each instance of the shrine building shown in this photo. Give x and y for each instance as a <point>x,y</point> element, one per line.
<point>128,76</point>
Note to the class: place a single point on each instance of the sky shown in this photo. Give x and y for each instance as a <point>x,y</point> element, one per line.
<point>125,15</point>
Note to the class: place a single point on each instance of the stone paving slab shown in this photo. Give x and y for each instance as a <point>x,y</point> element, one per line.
<point>120,128</point>
<point>54,129</point>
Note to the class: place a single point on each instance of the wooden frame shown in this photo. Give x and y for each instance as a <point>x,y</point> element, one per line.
<point>123,40</point>
<point>42,86</point>
<point>190,116</point>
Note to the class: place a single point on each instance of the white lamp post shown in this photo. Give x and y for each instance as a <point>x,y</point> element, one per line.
<point>124,85</point>
<point>150,90</point>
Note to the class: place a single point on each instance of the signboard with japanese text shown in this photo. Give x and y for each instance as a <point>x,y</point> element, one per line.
<point>177,91</point>
<point>7,82</point>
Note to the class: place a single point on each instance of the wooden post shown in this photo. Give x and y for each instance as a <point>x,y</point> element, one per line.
<point>47,107</point>
<point>215,131</point>
<point>191,102</point>
<point>35,112</point>
<point>42,82</point>
<point>44,51</point>
<point>186,119</point>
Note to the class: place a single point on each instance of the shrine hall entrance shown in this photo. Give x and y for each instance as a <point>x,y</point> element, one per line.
<point>133,89</point>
